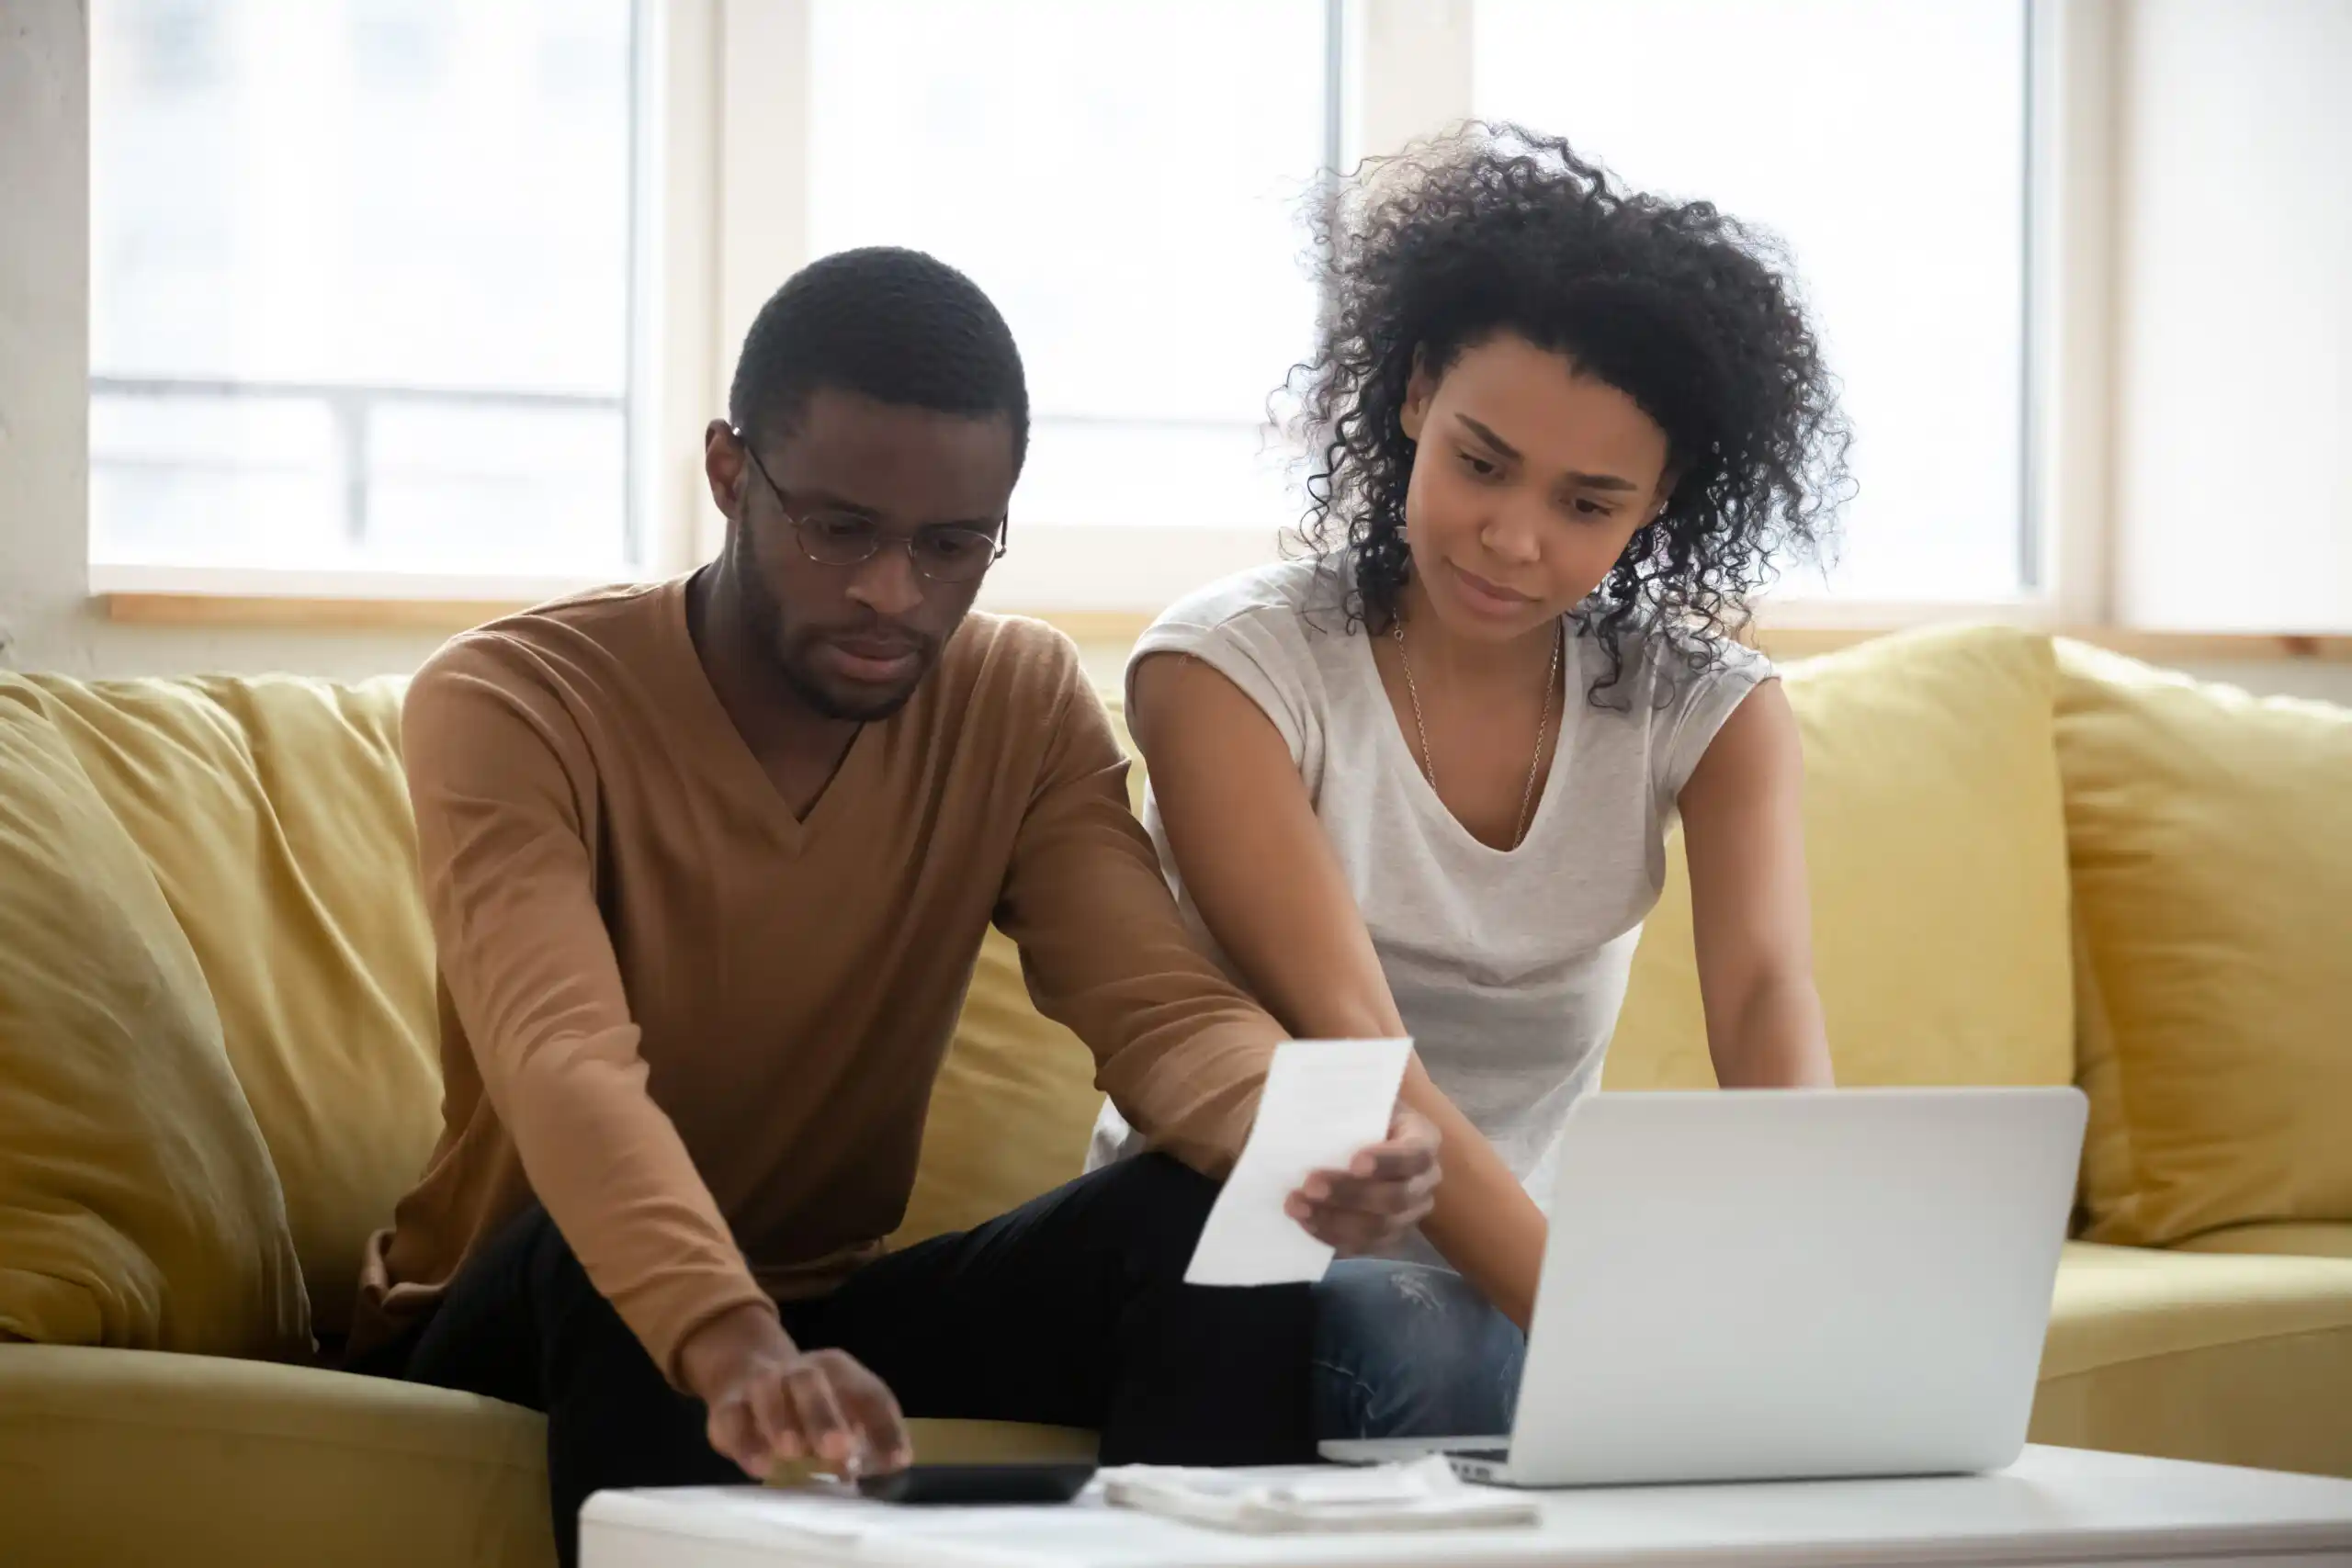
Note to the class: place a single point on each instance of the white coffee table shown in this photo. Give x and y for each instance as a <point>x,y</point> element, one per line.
<point>2055,1508</point>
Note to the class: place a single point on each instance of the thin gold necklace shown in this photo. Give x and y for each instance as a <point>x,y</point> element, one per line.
<point>1543,725</point>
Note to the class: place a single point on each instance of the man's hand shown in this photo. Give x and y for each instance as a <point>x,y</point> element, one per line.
<point>1386,1190</point>
<point>769,1402</point>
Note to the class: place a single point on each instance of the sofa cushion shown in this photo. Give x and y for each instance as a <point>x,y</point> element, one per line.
<point>2282,1240</point>
<point>1935,843</point>
<point>123,1457</point>
<point>196,1461</point>
<point>2232,1359</point>
<point>138,1204</point>
<point>275,816</point>
<point>2211,835</point>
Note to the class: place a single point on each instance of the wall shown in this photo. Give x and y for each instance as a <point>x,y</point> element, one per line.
<point>2287,50</point>
<point>2233,373</point>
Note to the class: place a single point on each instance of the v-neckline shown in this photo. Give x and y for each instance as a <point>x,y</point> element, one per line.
<point>732,754</point>
<point>1399,752</point>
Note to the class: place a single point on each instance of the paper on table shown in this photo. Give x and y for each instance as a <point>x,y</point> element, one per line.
<point>1324,1100</point>
<point>1422,1494</point>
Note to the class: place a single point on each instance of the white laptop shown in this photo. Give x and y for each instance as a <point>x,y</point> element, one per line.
<point>1777,1284</point>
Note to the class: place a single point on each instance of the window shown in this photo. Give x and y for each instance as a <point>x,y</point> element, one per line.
<point>1127,182</point>
<point>1887,144</point>
<point>372,278</point>
<point>365,281</point>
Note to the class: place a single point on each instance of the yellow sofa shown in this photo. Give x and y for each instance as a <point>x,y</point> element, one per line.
<point>2030,862</point>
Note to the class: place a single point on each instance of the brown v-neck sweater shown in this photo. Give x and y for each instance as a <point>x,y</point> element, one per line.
<point>702,1032</point>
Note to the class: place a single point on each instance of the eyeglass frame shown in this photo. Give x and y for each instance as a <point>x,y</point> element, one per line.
<point>999,538</point>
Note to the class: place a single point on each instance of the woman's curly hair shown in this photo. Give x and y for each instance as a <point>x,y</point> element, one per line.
<point>1691,313</point>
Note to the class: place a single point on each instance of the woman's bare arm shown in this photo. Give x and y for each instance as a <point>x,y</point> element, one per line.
<point>1743,826</point>
<point>1252,854</point>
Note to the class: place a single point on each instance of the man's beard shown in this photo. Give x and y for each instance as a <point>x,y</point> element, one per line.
<point>791,650</point>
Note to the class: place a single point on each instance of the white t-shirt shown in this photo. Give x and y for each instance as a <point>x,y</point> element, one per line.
<point>1507,966</point>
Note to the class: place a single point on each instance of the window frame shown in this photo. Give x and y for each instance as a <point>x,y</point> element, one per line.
<point>722,223</point>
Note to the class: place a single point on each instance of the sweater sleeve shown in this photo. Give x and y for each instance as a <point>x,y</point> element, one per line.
<point>1179,1049</point>
<point>505,796</point>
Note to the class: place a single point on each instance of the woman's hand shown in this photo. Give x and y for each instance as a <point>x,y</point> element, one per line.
<point>1387,1190</point>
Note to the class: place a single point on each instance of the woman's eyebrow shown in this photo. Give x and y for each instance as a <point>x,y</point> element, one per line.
<point>1581,480</point>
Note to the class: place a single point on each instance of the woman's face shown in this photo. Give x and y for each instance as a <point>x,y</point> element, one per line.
<point>1528,481</point>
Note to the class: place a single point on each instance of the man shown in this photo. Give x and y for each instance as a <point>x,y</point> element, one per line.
<point>708,864</point>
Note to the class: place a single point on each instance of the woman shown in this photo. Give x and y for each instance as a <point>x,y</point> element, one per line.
<point>1420,782</point>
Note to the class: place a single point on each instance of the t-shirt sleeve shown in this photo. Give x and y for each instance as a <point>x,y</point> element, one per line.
<point>504,793</point>
<point>1702,700</point>
<point>1259,650</point>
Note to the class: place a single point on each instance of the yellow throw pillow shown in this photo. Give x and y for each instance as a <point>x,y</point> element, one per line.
<point>138,1204</point>
<point>1935,843</point>
<point>2211,840</point>
<point>275,816</point>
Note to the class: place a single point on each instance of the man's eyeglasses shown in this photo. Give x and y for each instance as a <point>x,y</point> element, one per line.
<point>943,552</point>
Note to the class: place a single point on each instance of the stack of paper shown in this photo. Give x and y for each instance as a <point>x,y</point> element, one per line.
<point>1422,1494</point>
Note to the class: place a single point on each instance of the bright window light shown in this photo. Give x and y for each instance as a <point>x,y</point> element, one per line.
<point>363,282</point>
<point>1127,182</point>
<point>1886,140</point>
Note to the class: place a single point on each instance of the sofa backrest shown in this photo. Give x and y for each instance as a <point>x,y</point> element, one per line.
<point>2209,834</point>
<point>271,822</point>
<point>272,815</point>
<point>262,827</point>
<point>1935,843</point>
<point>139,1205</point>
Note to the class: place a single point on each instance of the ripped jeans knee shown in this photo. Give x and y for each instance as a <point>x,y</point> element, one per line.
<point>1407,1350</point>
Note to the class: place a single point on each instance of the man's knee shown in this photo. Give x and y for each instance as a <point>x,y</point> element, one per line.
<point>1162,1192</point>
<point>575,1321</point>
<point>542,1255</point>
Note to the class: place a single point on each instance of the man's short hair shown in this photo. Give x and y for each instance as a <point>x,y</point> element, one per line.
<point>891,325</point>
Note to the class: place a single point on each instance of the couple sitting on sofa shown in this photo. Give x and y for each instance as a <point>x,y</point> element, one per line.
<point>708,861</point>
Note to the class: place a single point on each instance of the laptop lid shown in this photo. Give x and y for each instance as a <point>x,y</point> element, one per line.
<point>1779,1283</point>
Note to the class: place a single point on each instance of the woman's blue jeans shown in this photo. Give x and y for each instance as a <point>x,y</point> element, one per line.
<point>1407,1350</point>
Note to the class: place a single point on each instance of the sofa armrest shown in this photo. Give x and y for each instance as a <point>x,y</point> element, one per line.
<point>132,1456</point>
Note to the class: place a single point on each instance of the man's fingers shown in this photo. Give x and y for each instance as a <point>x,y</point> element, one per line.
<point>731,1436</point>
<point>775,1426</point>
<point>754,1429</point>
<point>871,1405</point>
<point>828,1432</point>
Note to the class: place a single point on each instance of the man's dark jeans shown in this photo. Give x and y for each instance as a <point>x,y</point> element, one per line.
<point>1069,1310</point>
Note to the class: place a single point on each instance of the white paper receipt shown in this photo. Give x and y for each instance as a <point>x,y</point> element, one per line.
<point>1323,1102</point>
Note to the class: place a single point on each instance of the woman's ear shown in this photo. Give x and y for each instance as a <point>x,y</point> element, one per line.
<point>1663,493</point>
<point>1420,389</point>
